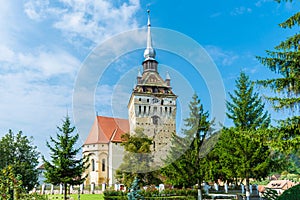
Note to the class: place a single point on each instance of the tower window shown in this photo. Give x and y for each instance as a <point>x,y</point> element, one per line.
<point>162,102</point>
<point>170,110</point>
<point>144,109</point>
<point>93,164</point>
<point>140,109</point>
<point>103,165</point>
<point>155,120</point>
<point>166,109</point>
<point>148,100</point>
<point>140,99</point>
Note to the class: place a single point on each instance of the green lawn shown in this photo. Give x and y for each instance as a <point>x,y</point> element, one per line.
<point>82,196</point>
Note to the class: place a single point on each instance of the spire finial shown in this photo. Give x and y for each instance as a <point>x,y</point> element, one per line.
<point>149,53</point>
<point>148,24</point>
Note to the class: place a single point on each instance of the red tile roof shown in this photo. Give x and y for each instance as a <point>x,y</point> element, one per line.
<point>106,129</point>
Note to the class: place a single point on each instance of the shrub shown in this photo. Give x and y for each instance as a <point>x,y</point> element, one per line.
<point>291,194</point>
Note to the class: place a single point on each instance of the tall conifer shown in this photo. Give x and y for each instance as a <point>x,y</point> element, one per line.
<point>64,167</point>
<point>284,61</point>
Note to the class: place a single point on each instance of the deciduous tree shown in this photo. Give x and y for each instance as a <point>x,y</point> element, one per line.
<point>17,151</point>
<point>186,170</point>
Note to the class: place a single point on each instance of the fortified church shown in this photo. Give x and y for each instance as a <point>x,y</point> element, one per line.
<point>152,107</point>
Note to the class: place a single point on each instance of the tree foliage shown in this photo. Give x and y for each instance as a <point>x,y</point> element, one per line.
<point>64,167</point>
<point>284,60</point>
<point>292,193</point>
<point>136,160</point>
<point>18,152</point>
<point>243,149</point>
<point>246,109</point>
<point>10,184</point>
<point>186,171</point>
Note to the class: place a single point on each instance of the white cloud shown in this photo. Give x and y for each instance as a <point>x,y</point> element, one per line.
<point>259,3</point>
<point>240,11</point>
<point>36,9</point>
<point>220,56</point>
<point>90,20</point>
<point>7,54</point>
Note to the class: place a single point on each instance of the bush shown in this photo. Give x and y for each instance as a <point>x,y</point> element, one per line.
<point>291,194</point>
<point>114,195</point>
<point>152,193</point>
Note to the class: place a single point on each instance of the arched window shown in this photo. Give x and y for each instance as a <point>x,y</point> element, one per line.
<point>93,164</point>
<point>103,165</point>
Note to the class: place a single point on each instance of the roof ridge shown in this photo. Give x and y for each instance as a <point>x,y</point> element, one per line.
<point>110,117</point>
<point>113,135</point>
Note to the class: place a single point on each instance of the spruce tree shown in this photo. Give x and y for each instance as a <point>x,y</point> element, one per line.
<point>64,167</point>
<point>243,148</point>
<point>284,60</point>
<point>246,109</point>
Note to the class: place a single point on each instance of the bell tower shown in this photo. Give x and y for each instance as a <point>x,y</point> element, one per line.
<point>152,105</point>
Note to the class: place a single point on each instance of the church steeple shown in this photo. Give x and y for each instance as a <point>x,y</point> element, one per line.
<point>149,64</point>
<point>149,53</point>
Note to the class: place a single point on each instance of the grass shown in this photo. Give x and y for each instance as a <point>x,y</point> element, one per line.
<point>75,196</point>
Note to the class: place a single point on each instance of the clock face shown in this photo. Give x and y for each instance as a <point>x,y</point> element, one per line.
<point>155,100</point>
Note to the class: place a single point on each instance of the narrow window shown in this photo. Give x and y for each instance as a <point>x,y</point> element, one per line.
<point>140,110</point>
<point>144,109</point>
<point>170,110</point>
<point>93,164</point>
<point>103,165</point>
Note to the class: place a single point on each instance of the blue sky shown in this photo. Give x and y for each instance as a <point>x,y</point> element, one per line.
<point>45,43</point>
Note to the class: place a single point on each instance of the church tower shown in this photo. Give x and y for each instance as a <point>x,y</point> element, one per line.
<point>152,105</point>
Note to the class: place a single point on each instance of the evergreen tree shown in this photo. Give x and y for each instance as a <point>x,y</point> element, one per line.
<point>246,109</point>
<point>186,170</point>
<point>17,151</point>
<point>243,149</point>
<point>285,61</point>
<point>64,168</point>
<point>136,160</point>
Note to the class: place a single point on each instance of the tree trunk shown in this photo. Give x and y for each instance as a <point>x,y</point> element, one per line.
<point>65,190</point>
<point>199,190</point>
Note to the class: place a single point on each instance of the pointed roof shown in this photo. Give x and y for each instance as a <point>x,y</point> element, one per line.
<point>107,129</point>
<point>149,53</point>
<point>168,76</point>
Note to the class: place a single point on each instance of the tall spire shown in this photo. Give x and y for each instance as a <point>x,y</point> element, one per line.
<point>149,53</point>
